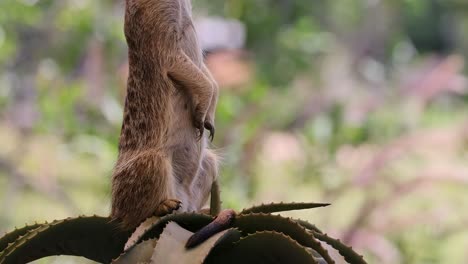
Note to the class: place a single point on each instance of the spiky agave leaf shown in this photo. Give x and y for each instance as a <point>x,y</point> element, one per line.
<point>252,223</point>
<point>15,234</point>
<point>139,254</point>
<point>347,252</point>
<point>140,231</point>
<point>316,256</point>
<point>95,238</point>
<point>307,225</point>
<point>281,207</point>
<point>170,248</point>
<point>189,221</point>
<point>262,247</point>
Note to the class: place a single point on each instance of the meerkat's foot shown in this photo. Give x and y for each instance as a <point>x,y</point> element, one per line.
<point>167,206</point>
<point>210,127</point>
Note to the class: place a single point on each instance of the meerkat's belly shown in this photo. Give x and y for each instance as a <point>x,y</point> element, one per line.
<point>186,150</point>
<point>183,131</point>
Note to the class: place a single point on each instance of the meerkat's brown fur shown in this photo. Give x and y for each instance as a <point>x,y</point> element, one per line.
<point>164,163</point>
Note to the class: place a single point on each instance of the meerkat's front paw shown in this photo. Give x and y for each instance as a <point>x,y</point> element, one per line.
<point>167,206</point>
<point>200,129</point>
<point>198,122</point>
<point>209,125</point>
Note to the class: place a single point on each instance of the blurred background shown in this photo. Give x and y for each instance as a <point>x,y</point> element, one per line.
<point>359,103</point>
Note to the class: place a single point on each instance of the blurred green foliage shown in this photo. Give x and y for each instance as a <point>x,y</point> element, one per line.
<point>359,103</point>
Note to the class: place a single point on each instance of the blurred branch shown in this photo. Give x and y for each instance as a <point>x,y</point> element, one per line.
<point>399,191</point>
<point>368,175</point>
<point>364,213</point>
<point>376,243</point>
<point>439,75</point>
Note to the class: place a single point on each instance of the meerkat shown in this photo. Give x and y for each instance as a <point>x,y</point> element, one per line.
<point>164,163</point>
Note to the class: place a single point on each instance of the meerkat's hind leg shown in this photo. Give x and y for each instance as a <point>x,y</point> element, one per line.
<point>141,189</point>
<point>167,207</point>
<point>197,86</point>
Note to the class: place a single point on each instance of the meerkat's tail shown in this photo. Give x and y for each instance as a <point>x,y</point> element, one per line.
<point>221,222</point>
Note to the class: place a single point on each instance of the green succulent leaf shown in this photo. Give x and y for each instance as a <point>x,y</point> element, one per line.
<point>171,249</point>
<point>281,207</point>
<point>347,252</point>
<point>263,247</point>
<point>140,231</point>
<point>141,253</point>
<point>95,238</point>
<point>252,238</point>
<point>252,223</point>
<point>15,234</point>
<point>307,225</point>
<point>189,221</point>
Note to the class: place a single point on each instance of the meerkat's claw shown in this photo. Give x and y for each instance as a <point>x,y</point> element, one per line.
<point>210,128</point>
<point>200,133</point>
<point>200,129</point>
<point>198,124</point>
<point>167,207</point>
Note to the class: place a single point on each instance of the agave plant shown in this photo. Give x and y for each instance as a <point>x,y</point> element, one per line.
<point>255,236</point>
